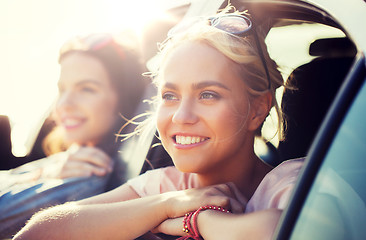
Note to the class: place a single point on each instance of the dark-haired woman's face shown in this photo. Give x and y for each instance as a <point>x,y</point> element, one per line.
<point>87,103</point>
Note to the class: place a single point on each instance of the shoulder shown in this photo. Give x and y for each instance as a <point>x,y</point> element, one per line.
<point>282,175</point>
<point>286,169</point>
<point>276,187</point>
<point>162,180</point>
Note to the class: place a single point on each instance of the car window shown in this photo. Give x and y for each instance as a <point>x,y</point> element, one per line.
<point>335,207</point>
<point>289,43</point>
<point>289,46</point>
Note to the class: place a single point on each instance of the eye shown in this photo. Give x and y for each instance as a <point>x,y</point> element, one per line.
<point>88,89</point>
<point>209,95</point>
<point>168,96</point>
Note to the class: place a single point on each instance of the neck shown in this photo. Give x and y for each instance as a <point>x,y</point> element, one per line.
<point>246,173</point>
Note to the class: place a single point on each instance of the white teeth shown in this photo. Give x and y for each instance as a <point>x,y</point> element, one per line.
<point>185,140</point>
<point>71,122</point>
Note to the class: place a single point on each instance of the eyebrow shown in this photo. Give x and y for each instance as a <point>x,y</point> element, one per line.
<point>84,81</point>
<point>199,85</point>
<point>209,83</point>
<point>89,81</point>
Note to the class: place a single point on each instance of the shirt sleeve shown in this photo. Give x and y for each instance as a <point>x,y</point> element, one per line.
<point>162,180</point>
<point>276,187</point>
<point>147,183</point>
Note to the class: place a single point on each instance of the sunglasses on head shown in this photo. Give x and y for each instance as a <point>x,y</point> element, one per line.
<point>96,42</point>
<point>240,26</point>
<point>237,25</point>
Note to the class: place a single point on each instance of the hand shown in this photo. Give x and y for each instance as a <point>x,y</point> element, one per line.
<point>173,227</point>
<point>78,162</point>
<point>224,195</point>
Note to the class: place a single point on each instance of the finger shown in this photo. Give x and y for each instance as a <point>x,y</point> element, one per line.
<point>172,227</point>
<point>237,194</point>
<point>237,204</point>
<point>226,197</point>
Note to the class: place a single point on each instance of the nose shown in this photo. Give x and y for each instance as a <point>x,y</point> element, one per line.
<point>185,113</point>
<point>65,100</point>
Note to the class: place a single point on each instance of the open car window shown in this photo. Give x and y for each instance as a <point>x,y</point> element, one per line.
<point>329,199</point>
<point>335,207</point>
<point>314,59</point>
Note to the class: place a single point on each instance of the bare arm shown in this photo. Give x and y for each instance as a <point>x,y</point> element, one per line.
<point>118,220</point>
<point>214,225</point>
<point>93,219</point>
<point>257,225</point>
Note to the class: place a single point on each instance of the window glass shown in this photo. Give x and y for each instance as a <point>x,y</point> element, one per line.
<point>335,207</point>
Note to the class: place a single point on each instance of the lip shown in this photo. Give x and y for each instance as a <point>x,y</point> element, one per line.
<point>203,140</point>
<point>70,123</point>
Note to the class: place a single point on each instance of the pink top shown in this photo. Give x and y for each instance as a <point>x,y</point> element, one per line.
<point>273,192</point>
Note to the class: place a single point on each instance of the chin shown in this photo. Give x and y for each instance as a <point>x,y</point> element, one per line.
<point>186,167</point>
<point>74,139</point>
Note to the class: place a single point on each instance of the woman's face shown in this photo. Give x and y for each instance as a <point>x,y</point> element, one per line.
<point>87,104</point>
<point>203,115</point>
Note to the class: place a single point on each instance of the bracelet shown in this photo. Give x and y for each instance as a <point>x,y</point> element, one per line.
<point>192,230</point>
<point>187,227</point>
<point>195,215</point>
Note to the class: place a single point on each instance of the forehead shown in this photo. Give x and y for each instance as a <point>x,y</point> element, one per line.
<point>77,67</point>
<point>198,61</point>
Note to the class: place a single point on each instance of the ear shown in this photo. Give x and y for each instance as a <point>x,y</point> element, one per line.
<point>260,107</point>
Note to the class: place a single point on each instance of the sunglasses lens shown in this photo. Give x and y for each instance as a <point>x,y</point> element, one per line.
<point>98,41</point>
<point>231,24</point>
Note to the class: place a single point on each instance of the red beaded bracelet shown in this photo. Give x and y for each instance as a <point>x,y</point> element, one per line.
<point>187,227</point>
<point>192,231</point>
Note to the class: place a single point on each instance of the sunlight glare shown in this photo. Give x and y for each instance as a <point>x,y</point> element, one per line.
<point>32,33</point>
<point>134,15</point>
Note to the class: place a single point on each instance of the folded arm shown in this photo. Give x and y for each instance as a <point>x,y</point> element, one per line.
<point>124,217</point>
<point>214,225</point>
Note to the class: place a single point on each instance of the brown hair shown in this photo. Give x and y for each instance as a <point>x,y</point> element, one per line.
<point>122,61</point>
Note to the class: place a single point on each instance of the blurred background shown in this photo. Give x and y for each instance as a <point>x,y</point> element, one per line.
<point>31,33</point>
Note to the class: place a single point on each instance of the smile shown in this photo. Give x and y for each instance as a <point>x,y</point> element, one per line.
<point>71,123</point>
<point>188,140</point>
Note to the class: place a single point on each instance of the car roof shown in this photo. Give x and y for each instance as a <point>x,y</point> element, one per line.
<point>351,14</point>
<point>348,15</point>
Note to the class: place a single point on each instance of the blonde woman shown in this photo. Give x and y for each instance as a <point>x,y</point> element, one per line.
<point>216,86</point>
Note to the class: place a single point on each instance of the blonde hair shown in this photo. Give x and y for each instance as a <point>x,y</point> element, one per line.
<point>243,51</point>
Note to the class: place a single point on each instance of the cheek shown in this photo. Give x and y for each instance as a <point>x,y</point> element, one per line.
<point>104,111</point>
<point>162,120</point>
<point>229,121</point>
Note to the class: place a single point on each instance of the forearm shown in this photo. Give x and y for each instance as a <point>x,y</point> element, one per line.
<point>122,220</point>
<point>258,225</point>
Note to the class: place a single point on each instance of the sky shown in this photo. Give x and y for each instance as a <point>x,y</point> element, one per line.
<point>31,33</point>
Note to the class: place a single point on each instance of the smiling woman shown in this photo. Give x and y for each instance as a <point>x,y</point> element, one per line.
<point>30,34</point>
<point>100,80</point>
<point>214,94</point>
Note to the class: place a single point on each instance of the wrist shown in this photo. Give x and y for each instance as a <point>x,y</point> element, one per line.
<point>206,223</point>
<point>169,205</point>
<point>192,220</point>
